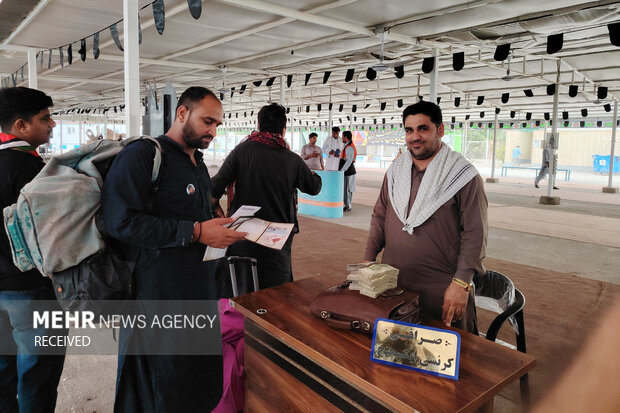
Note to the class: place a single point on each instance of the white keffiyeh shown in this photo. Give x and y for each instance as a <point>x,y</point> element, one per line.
<point>445,175</point>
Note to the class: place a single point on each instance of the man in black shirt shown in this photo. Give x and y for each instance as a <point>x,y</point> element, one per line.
<point>28,380</point>
<point>266,174</point>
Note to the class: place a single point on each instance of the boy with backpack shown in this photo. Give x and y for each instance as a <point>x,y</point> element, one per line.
<point>28,380</point>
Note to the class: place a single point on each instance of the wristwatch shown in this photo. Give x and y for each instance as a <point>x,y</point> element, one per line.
<point>467,286</point>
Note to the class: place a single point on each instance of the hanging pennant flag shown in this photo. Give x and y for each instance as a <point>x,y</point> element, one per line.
<point>270,81</point>
<point>114,33</point>
<point>195,8</point>
<point>513,114</point>
<point>438,99</point>
<point>614,33</point>
<point>555,43</point>
<point>599,123</point>
<point>538,123</point>
<point>330,106</point>
<point>528,93</point>
<point>572,90</point>
<point>340,108</point>
<point>547,117</point>
<point>289,80</point>
<point>318,107</point>
<point>582,123</point>
<point>242,89</point>
<point>159,15</point>
<point>326,76</point>
<point>349,76</point>
<point>307,78</point>
<point>139,32</point>
<point>453,119</point>
<point>501,52</point>
<point>601,92</point>
<point>399,71</point>
<point>428,64</point>
<point>382,106</point>
<point>62,64</point>
<point>307,108</point>
<point>371,74</point>
<point>221,96</point>
<point>257,83</point>
<point>479,124</point>
<point>528,115</point>
<point>497,110</point>
<point>607,107</point>
<point>367,106</point>
<point>232,92</point>
<point>480,100</point>
<point>550,89</point>
<point>564,115</point>
<point>70,54</point>
<point>41,59</point>
<point>14,78</point>
<point>481,114</point>
<point>458,61</point>
<point>584,113</point>
<point>505,97</point>
<point>501,125</point>
<point>96,45</point>
<point>457,102</point>
<point>400,103</point>
<point>524,125</point>
<point>82,50</point>
<point>354,108</point>
<point>49,59</point>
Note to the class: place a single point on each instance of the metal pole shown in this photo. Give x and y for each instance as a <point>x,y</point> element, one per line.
<point>32,69</point>
<point>434,73</point>
<point>554,134</point>
<point>282,91</point>
<point>613,144</point>
<point>131,61</point>
<point>494,147</point>
<point>60,136</point>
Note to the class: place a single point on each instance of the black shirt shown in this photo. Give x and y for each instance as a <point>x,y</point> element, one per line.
<point>17,168</point>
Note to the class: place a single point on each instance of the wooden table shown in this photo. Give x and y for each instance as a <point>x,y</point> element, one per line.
<point>294,362</point>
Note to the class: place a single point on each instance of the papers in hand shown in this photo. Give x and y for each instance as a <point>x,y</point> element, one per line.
<point>269,234</point>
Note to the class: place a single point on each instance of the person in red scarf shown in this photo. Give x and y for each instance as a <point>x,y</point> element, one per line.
<point>28,380</point>
<point>266,174</point>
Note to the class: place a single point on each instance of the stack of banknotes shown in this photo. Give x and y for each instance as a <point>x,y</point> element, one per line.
<point>372,279</point>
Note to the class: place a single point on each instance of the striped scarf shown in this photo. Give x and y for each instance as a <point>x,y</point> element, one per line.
<point>13,142</point>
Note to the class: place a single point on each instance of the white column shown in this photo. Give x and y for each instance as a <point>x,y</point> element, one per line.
<point>554,134</point>
<point>282,91</point>
<point>613,144</point>
<point>494,146</point>
<point>132,69</point>
<point>434,73</point>
<point>32,69</point>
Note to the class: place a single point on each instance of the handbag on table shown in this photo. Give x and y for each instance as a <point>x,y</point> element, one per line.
<point>347,309</point>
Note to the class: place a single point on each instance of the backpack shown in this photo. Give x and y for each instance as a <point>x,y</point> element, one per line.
<point>54,227</point>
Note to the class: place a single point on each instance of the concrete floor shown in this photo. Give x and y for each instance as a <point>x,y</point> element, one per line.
<point>580,236</point>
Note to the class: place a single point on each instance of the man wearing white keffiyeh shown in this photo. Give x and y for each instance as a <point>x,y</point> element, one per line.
<point>431,220</point>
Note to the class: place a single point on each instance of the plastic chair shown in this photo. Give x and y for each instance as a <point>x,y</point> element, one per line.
<point>496,292</point>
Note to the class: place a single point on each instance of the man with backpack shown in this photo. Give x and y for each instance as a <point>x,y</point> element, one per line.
<point>28,380</point>
<point>170,227</point>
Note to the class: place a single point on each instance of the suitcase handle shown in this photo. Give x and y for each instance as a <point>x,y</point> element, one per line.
<point>233,276</point>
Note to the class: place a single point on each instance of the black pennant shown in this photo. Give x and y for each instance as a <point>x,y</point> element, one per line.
<point>400,103</point>
<point>242,89</point>
<point>82,50</point>
<point>607,107</point>
<point>270,81</point>
<point>307,108</point>
<point>195,8</point>
<point>96,46</point>
<point>614,33</point>
<point>565,115</point>
<point>326,76</point>
<point>399,71</point>
<point>371,74</point>
<point>42,55</point>
<point>501,52</point>
<point>70,54</point>
<point>572,90</point>
<point>555,43</point>
<point>601,92</point>
<point>438,99</point>
<point>49,60</point>
<point>139,32</point>
<point>457,101</point>
<point>428,64</point>
<point>584,113</point>
<point>481,114</point>
<point>528,93</point>
<point>354,108</point>
<point>453,119</point>
<point>367,105</point>
<point>582,123</point>
<point>318,107</point>
<point>513,114</point>
<point>330,106</point>
<point>497,110</point>
<point>62,63</point>
<point>340,108</point>
<point>383,104</point>
<point>599,123</point>
<point>505,97</point>
<point>349,76</point>
<point>159,15</point>
<point>257,83</point>
<point>307,78</point>
<point>458,61</point>
<point>547,117</point>
<point>551,89</point>
<point>480,100</point>
<point>289,80</point>
<point>538,123</point>
<point>114,33</point>
<point>528,115</point>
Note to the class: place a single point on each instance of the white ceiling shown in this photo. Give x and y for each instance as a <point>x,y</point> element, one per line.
<point>259,39</point>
